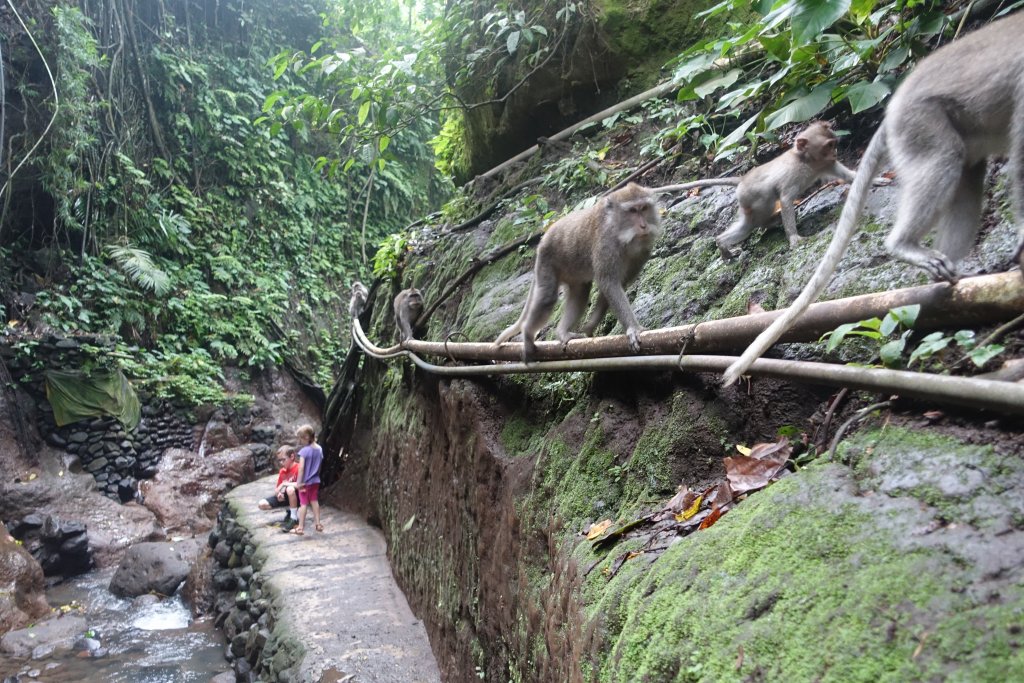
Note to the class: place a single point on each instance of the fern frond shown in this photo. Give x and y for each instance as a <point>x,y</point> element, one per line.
<point>138,265</point>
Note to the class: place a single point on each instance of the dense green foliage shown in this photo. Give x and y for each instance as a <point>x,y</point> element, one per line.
<point>204,180</point>
<point>800,59</point>
<point>178,225</point>
<point>423,61</point>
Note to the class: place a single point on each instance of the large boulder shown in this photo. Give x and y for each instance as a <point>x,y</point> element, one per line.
<point>280,404</point>
<point>60,546</point>
<point>188,489</point>
<point>22,599</point>
<point>41,639</point>
<point>219,435</point>
<point>150,568</point>
<point>63,493</point>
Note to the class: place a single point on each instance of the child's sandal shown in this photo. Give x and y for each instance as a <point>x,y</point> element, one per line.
<point>319,527</point>
<point>297,531</point>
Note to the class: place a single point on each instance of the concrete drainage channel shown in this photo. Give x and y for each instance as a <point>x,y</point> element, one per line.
<point>322,606</point>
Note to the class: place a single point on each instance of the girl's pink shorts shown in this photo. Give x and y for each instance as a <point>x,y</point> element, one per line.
<point>309,493</point>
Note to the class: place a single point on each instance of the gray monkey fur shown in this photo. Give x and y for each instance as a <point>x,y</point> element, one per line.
<point>607,244</point>
<point>783,179</point>
<point>408,305</point>
<point>358,301</point>
<point>960,105</point>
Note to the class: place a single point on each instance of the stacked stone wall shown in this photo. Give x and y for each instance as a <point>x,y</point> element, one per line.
<point>243,609</point>
<point>115,456</point>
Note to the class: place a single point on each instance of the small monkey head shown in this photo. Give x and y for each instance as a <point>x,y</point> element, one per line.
<point>358,301</point>
<point>633,210</point>
<point>816,143</point>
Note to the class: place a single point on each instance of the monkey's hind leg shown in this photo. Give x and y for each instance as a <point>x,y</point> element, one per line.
<point>958,226</point>
<point>596,315</point>
<point>734,234</point>
<point>619,303</point>
<point>928,170</point>
<point>539,306</point>
<point>576,298</point>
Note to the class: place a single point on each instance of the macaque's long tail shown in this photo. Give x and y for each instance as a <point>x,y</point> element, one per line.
<point>869,166</point>
<point>706,182</point>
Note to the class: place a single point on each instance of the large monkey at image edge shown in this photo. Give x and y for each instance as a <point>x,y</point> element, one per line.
<point>781,180</point>
<point>960,105</point>
<point>607,244</point>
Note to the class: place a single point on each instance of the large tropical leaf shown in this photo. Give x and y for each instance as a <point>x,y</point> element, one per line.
<point>139,267</point>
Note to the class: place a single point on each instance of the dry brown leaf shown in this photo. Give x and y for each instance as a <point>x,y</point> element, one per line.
<point>711,518</point>
<point>756,470</point>
<point>749,474</point>
<point>682,500</point>
<point>777,450</point>
<point>720,495</point>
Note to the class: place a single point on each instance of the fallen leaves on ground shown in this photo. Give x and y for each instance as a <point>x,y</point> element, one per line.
<point>759,467</point>
<point>598,529</point>
<point>688,511</point>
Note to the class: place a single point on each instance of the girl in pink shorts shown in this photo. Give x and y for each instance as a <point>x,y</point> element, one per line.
<point>311,456</point>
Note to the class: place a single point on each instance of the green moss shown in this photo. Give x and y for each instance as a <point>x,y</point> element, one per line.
<point>650,32</point>
<point>522,434</point>
<point>811,584</point>
<point>653,468</point>
<point>803,592</point>
<point>938,470</point>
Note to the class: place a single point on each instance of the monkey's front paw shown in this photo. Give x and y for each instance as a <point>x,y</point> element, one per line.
<point>727,253</point>
<point>942,268</point>
<point>795,240</point>
<point>634,340</point>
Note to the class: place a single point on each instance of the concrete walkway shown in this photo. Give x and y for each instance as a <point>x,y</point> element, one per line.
<point>334,591</point>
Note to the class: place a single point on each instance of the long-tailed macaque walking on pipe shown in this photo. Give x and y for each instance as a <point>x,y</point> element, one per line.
<point>781,180</point>
<point>607,244</point>
<point>960,105</point>
<point>408,306</point>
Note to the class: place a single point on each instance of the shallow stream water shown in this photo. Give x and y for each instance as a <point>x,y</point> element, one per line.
<point>144,643</point>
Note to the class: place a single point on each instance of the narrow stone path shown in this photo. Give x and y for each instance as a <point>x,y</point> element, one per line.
<point>335,593</point>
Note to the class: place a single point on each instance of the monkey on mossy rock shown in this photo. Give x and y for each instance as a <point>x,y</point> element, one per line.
<point>408,305</point>
<point>607,244</point>
<point>960,105</point>
<point>777,183</point>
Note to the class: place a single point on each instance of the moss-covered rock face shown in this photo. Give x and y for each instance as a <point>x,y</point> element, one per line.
<point>901,561</point>
<point>648,33</point>
<point>897,570</point>
<point>612,50</point>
